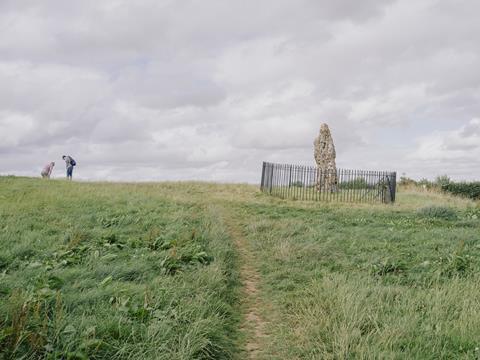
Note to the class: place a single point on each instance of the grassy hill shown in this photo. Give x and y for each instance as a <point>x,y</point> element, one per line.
<point>199,270</point>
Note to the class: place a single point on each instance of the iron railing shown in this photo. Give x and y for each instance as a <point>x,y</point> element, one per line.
<point>311,183</point>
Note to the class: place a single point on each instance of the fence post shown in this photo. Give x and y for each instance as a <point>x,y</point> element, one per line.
<point>262,182</point>
<point>394,186</point>
<point>388,196</point>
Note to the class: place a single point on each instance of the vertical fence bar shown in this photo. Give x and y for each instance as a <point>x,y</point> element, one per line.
<point>378,187</point>
<point>339,184</point>
<point>304,180</point>
<point>263,176</point>
<point>286,181</point>
<point>297,181</point>
<point>329,181</point>
<point>312,184</point>
<point>274,177</point>
<point>301,182</point>
<point>271,177</point>
<point>309,180</point>
<point>363,186</point>
<point>345,185</point>
<point>294,179</point>
<point>367,186</point>
<point>372,187</point>
<point>265,185</point>
<point>274,173</point>
<point>321,185</point>
<point>354,185</point>
<point>394,184</point>
<point>355,193</point>
<point>381,176</point>
<point>290,181</point>
<point>350,184</point>
<point>280,180</point>
<point>278,171</point>
<point>300,188</point>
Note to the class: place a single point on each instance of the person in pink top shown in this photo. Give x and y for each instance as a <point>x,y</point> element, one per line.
<point>47,170</point>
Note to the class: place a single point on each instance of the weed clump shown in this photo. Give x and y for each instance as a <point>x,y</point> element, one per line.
<point>387,267</point>
<point>437,212</point>
<point>457,263</point>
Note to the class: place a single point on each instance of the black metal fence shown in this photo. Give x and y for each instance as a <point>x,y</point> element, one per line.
<point>311,183</point>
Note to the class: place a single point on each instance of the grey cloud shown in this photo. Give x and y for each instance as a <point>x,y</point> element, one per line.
<point>190,89</point>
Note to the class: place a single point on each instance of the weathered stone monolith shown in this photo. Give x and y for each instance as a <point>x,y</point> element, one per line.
<point>325,157</point>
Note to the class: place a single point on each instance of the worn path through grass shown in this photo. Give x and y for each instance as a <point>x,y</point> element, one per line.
<point>253,325</point>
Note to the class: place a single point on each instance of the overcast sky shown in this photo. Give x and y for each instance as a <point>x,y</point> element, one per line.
<point>208,89</point>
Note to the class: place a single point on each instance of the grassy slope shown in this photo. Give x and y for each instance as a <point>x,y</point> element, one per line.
<point>369,281</point>
<point>113,271</point>
<point>337,280</point>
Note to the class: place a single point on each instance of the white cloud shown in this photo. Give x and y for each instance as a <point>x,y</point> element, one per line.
<point>455,152</point>
<point>14,127</point>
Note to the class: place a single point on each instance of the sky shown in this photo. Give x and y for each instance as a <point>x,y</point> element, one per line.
<point>151,90</point>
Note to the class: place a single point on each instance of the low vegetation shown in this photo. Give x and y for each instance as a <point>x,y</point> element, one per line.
<point>470,190</point>
<point>467,189</point>
<point>112,271</point>
<point>378,281</point>
<point>130,271</point>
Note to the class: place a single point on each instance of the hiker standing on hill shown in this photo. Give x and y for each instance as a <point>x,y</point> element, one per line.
<point>47,170</point>
<point>70,163</point>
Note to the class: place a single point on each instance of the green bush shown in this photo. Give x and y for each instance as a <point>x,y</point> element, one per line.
<point>358,183</point>
<point>406,181</point>
<point>470,190</point>
<point>296,184</point>
<point>442,180</point>
<point>437,212</point>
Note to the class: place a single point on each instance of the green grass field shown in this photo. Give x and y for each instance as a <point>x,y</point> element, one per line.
<point>209,271</point>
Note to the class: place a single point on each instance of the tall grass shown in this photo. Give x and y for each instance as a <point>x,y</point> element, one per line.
<point>369,281</point>
<point>113,271</point>
<point>148,271</point>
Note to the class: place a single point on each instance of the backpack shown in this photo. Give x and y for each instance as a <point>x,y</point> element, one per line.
<point>72,162</point>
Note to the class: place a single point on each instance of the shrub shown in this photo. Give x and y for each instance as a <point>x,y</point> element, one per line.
<point>426,184</point>
<point>406,181</point>
<point>296,184</point>
<point>437,212</point>
<point>442,180</point>
<point>470,190</point>
<point>358,183</point>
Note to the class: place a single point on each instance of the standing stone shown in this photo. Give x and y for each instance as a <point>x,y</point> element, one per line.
<point>325,157</point>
